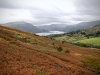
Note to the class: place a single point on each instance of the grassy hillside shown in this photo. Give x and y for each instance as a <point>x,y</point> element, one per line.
<point>93,41</point>
<point>23,53</point>
<point>76,36</point>
<point>69,39</point>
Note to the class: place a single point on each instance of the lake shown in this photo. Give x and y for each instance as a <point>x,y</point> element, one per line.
<point>49,33</point>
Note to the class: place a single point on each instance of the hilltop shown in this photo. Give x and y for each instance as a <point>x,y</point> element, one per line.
<point>23,53</point>
<point>24,26</point>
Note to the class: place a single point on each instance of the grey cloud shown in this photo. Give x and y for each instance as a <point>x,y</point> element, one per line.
<point>86,10</point>
<point>88,7</point>
<point>88,3</point>
<point>45,17</point>
<point>85,18</point>
<point>8,4</point>
<point>13,4</point>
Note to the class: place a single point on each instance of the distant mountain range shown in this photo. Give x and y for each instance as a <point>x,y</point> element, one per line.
<point>24,26</point>
<point>28,27</point>
<point>69,28</point>
<point>80,26</point>
<point>55,27</point>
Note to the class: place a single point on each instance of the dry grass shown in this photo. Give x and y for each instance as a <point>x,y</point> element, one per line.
<point>20,56</point>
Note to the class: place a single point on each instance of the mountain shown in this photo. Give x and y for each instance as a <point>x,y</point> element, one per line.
<point>80,26</point>
<point>55,27</point>
<point>98,25</point>
<point>69,28</point>
<point>23,53</point>
<point>24,26</point>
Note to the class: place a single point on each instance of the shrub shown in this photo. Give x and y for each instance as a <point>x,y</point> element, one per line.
<point>67,51</point>
<point>63,41</point>
<point>53,43</point>
<point>59,49</point>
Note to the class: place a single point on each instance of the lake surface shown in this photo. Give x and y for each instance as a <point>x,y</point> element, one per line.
<point>49,33</point>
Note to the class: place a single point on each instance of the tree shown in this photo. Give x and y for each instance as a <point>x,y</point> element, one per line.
<point>63,41</point>
<point>53,43</point>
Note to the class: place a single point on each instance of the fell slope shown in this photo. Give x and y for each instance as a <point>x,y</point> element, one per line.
<point>23,53</point>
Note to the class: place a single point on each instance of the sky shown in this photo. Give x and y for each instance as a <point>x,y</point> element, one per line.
<point>46,12</point>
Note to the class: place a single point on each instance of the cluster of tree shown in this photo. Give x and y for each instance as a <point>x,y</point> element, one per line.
<point>86,45</point>
<point>56,35</point>
<point>96,34</point>
<point>84,33</point>
<point>74,32</point>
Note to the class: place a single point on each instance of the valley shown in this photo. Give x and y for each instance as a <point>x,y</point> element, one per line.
<point>23,53</point>
<point>86,38</point>
<point>49,37</point>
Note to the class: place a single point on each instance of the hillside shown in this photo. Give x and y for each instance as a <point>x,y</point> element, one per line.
<point>79,34</point>
<point>24,26</point>
<point>93,41</point>
<point>23,53</point>
<point>98,25</point>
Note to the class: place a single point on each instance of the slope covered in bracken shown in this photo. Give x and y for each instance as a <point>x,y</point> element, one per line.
<point>23,53</point>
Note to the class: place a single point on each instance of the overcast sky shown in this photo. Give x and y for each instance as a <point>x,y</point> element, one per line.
<point>45,12</point>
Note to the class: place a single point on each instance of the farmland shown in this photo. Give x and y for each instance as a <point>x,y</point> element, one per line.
<point>93,41</point>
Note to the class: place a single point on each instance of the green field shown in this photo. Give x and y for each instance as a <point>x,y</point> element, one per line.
<point>69,39</point>
<point>93,41</point>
